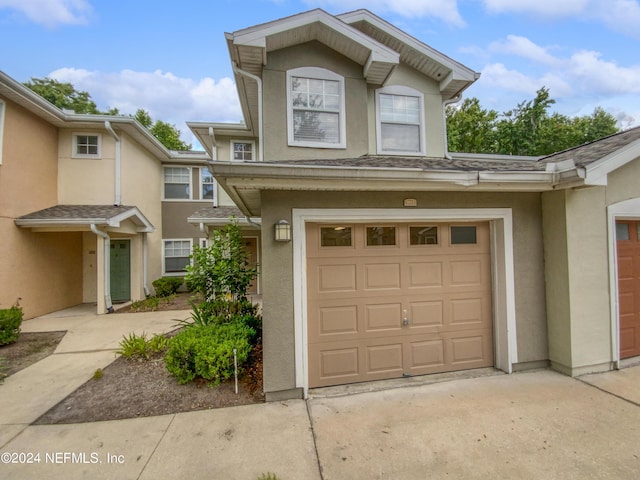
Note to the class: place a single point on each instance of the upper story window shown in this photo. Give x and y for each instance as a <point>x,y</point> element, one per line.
<point>2,109</point>
<point>316,108</point>
<point>400,121</point>
<point>177,183</point>
<point>207,185</point>
<point>242,150</point>
<point>86,145</point>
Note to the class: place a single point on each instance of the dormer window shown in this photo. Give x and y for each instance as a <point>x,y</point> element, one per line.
<point>400,121</point>
<point>316,108</point>
<point>86,145</point>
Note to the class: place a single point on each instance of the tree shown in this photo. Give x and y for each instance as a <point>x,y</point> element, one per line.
<point>528,129</point>
<point>65,96</point>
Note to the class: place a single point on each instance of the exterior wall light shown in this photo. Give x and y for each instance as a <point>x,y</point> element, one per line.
<point>283,231</point>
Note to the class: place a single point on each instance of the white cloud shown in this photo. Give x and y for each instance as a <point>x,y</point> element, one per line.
<point>525,48</point>
<point>445,10</point>
<point>594,73</point>
<point>547,8</point>
<point>165,96</point>
<point>51,13</point>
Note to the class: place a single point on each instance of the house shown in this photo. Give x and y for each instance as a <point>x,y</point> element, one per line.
<point>383,254</point>
<point>73,187</point>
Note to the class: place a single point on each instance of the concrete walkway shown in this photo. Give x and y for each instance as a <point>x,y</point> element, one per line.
<point>533,425</point>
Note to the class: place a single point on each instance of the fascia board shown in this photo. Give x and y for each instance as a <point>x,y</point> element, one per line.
<point>516,177</point>
<point>256,36</point>
<point>144,225</point>
<point>459,71</point>
<point>36,223</point>
<point>596,172</point>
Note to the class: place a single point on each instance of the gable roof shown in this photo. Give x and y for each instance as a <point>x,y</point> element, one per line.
<point>79,216</point>
<point>360,36</point>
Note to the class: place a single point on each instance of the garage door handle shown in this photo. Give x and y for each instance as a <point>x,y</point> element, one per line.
<point>405,319</point>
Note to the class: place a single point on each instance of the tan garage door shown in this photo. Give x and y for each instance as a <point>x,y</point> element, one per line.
<point>390,300</point>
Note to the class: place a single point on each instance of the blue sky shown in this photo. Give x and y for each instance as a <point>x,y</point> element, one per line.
<point>172,59</point>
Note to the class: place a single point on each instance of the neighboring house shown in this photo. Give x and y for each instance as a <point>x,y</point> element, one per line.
<point>73,187</point>
<point>405,259</point>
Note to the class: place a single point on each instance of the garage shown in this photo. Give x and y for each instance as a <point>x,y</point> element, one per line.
<point>387,300</point>
<point>628,244</point>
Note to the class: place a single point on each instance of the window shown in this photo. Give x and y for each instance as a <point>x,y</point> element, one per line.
<point>399,116</point>
<point>177,183</point>
<point>86,145</point>
<point>337,236</point>
<point>242,150</point>
<point>424,235</point>
<point>176,256</point>
<point>316,116</point>
<point>463,235</point>
<point>381,236</point>
<point>622,231</point>
<point>207,185</point>
<point>2,108</point>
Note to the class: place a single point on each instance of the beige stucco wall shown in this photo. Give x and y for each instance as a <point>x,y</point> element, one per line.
<point>44,270</point>
<point>277,267</point>
<point>577,245</point>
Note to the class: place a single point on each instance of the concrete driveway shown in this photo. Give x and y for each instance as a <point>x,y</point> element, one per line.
<point>533,425</point>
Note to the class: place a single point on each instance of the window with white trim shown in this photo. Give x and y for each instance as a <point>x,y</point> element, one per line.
<point>86,145</point>
<point>315,108</point>
<point>176,256</point>
<point>207,185</point>
<point>400,121</point>
<point>242,150</point>
<point>2,109</point>
<point>177,183</point>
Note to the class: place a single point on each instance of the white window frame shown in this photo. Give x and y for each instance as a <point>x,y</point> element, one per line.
<point>3,107</point>
<point>319,74</point>
<point>232,145</point>
<point>74,150</point>
<point>215,187</point>
<point>190,197</point>
<point>400,90</point>
<point>164,256</point>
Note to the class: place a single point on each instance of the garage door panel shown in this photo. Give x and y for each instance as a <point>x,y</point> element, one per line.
<point>338,320</point>
<point>469,349</point>
<point>385,316</point>
<point>426,356</point>
<point>386,358</point>
<point>467,311</point>
<point>340,364</point>
<point>336,278</point>
<point>382,276</point>
<point>425,275</point>
<point>426,313</point>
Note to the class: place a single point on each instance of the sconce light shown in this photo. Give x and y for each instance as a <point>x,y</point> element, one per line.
<point>283,231</point>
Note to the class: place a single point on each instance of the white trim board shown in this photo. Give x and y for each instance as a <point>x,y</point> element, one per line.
<point>504,311</point>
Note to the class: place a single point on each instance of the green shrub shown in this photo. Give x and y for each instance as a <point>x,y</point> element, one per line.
<point>140,346</point>
<point>206,351</point>
<point>166,286</point>
<point>10,321</point>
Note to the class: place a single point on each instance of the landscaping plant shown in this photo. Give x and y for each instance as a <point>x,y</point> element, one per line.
<point>140,346</point>
<point>10,321</point>
<point>167,286</point>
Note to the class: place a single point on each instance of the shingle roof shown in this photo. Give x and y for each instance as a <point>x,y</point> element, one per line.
<point>211,212</point>
<point>422,163</point>
<point>590,152</point>
<point>78,212</point>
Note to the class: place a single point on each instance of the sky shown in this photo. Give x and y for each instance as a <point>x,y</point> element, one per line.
<point>172,59</point>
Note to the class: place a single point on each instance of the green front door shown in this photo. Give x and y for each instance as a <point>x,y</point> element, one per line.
<point>120,270</point>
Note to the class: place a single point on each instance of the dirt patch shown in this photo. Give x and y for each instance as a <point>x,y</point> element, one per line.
<point>130,388</point>
<point>29,349</point>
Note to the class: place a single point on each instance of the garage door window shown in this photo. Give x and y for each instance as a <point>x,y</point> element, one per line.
<point>336,236</point>
<point>423,235</point>
<point>463,235</point>
<point>377,236</point>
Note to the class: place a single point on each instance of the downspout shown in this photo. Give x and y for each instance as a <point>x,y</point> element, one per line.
<point>259,82</point>
<point>145,265</point>
<point>118,196</point>
<point>107,266</point>
<point>446,103</point>
<point>251,222</point>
